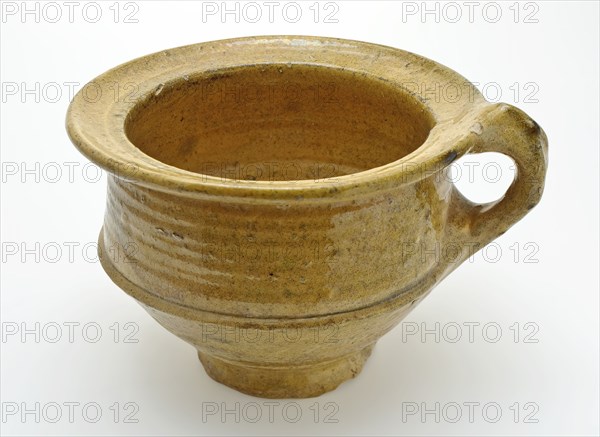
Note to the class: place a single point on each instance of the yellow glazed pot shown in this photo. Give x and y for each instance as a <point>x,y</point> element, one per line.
<point>280,202</point>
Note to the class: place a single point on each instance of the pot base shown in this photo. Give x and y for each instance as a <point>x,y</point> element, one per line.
<point>285,382</point>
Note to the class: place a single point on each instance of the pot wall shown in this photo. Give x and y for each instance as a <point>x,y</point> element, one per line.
<point>267,260</point>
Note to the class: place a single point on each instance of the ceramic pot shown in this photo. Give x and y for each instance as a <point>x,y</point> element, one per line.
<point>279,202</point>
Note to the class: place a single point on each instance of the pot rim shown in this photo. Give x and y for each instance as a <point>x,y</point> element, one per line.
<point>97,127</point>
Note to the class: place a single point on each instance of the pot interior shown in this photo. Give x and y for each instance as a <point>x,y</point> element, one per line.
<point>278,122</point>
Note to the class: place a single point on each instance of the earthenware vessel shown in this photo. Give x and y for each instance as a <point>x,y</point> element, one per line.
<point>279,202</point>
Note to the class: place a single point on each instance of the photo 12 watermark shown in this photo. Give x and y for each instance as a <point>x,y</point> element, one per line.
<point>54,172</point>
<point>517,91</point>
<point>526,252</point>
<point>270,412</point>
<point>470,332</point>
<point>71,252</point>
<point>55,12</point>
<point>318,334</point>
<point>473,412</point>
<point>69,332</point>
<point>470,12</point>
<point>52,412</point>
<point>269,12</point>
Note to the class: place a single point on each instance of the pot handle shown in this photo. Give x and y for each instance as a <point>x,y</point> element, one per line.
<point>504,129</point>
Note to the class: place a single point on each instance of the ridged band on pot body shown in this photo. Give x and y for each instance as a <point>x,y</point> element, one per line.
<point>284,286</point>
<point>273,261</point>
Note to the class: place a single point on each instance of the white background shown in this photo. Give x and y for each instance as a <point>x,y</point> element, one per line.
<point>539,280</point>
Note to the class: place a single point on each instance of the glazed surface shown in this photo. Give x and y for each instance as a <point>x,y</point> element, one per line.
<point>276,218</point>
<point>279,122</point>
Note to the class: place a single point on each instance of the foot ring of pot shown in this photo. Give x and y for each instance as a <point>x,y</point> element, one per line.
<point>285,382</point>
